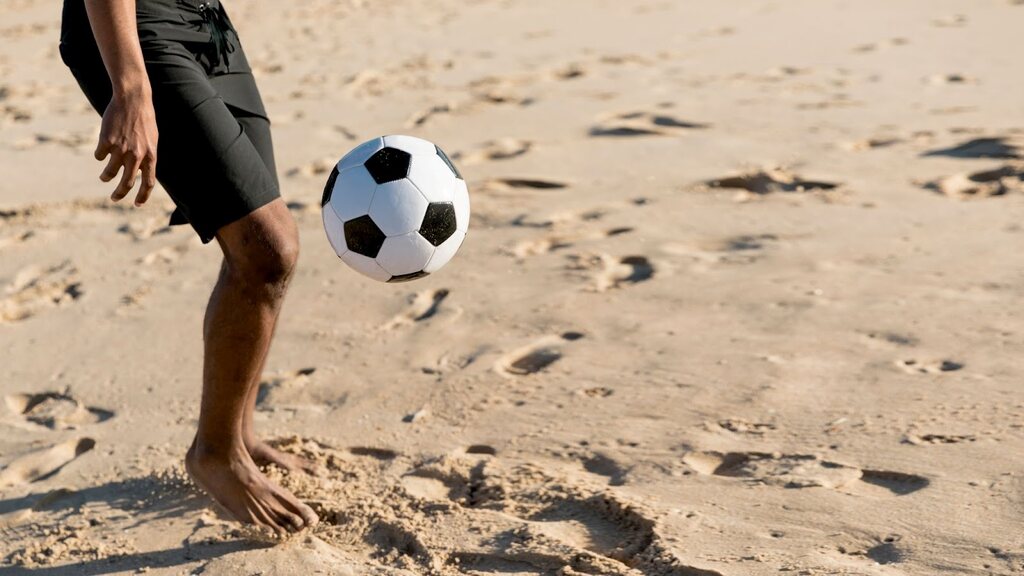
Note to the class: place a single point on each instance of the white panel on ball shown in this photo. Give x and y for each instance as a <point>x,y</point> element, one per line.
<point>398,207</point>
<point>335,229</point>
<point>353,191</point>
<point>410,144</point>
<point>444,252</point>
<point>360,154</point>
<point>460,198</point>
<point>365,266</point>
<point>433,177</point>
<point>405,254</point>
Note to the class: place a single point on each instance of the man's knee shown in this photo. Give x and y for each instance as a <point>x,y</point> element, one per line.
<point>262,249</point>
<point>269,263</point>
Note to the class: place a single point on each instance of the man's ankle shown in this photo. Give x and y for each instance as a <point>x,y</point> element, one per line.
<point>217,447</point>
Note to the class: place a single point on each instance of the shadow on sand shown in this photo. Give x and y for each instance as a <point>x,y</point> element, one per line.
<point>139,500</point>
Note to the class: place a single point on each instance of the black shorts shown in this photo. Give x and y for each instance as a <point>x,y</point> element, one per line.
<point>214,154</point>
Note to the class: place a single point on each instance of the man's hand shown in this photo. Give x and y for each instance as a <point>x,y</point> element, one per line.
<point>129,136</point>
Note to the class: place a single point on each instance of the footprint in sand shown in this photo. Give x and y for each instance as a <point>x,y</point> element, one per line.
<point>166,255</point>
<point>536,356</point>
<point>920,439</point>
<point>296,390</point>
<point>536,246</point>
<point>952,78</point>
<point>1001,147</point>
<point>743,249</point>
<point>487,91</point>
<point>375,453</point>
<point>41,464</point>
<point>745,427</point>
<point>421,117</point>
<point>876,551</point>
<point>914,366</point>
<point>35,289</point>
<point>501,91</point>
<point>610,272</point>
<point>55,410</point>
<point>499,518</point>
<point>770,181</point>
<point>799,471</point>
<point>134,300</point>
<point>80,141</point>
<point>502,149</point>
<point>318,167</point>
<point>11,113</point>
<point>596,392</point>
<point>837,101</point>
<point>617,272</point>
<point>892,338</point>
<point>642,124</point>
<point>733,250</point>
<point>952,21</point>
<point>139,230</point>
<point>506,184</point>
<point>984,184</point>
<point>569,71</point>
<point>422,306</point>
<point>744,243</point>
<point>869,144</point>
<point>15,239</point>
<point>533,220</point>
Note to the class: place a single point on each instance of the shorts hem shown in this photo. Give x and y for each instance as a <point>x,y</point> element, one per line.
<point>253,203</point>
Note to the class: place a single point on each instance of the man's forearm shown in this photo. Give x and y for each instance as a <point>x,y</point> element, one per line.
<point>113,25</point>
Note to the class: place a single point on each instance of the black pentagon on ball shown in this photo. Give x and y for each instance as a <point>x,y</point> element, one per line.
<point>447,161</point>
<point>329,187</point>
<point>438,222</point>
<point>363,236</point>
<point>388,165</point>
<point>407,277</point>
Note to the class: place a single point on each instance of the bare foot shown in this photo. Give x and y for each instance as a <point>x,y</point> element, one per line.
<point>232,479</point>
<point>265,454</point>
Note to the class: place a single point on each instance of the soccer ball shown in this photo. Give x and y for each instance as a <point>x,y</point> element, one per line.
<point>395,208</point>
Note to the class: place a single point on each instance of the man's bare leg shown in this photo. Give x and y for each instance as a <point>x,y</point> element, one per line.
<point>261,452</point>
<point>260,251</point>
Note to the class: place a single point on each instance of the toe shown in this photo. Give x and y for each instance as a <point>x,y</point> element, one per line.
<point>294,505</point>
<point>263,517</point>
<point>309,516</point>
<point>291,521</point>
<point>295,522</point>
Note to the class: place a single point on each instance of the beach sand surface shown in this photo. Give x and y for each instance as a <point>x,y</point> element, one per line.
<point>741,296</point>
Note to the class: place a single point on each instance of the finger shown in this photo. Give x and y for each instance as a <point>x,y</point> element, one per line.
<point>113,165</point>
<point>102,148</point>
<point>131,170</point>
<point>148,182</point>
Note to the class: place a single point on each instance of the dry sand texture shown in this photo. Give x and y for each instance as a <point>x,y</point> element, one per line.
<point>741,297</point>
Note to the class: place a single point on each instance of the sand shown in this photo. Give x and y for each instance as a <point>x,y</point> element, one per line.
<point>741,296</point>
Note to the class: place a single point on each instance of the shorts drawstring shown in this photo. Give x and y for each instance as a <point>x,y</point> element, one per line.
<point>219,27</point>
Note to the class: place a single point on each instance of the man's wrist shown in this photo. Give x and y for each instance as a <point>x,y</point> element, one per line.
<point>130,88</point>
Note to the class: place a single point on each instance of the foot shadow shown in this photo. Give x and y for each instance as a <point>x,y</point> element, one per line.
<point>145,499</point>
